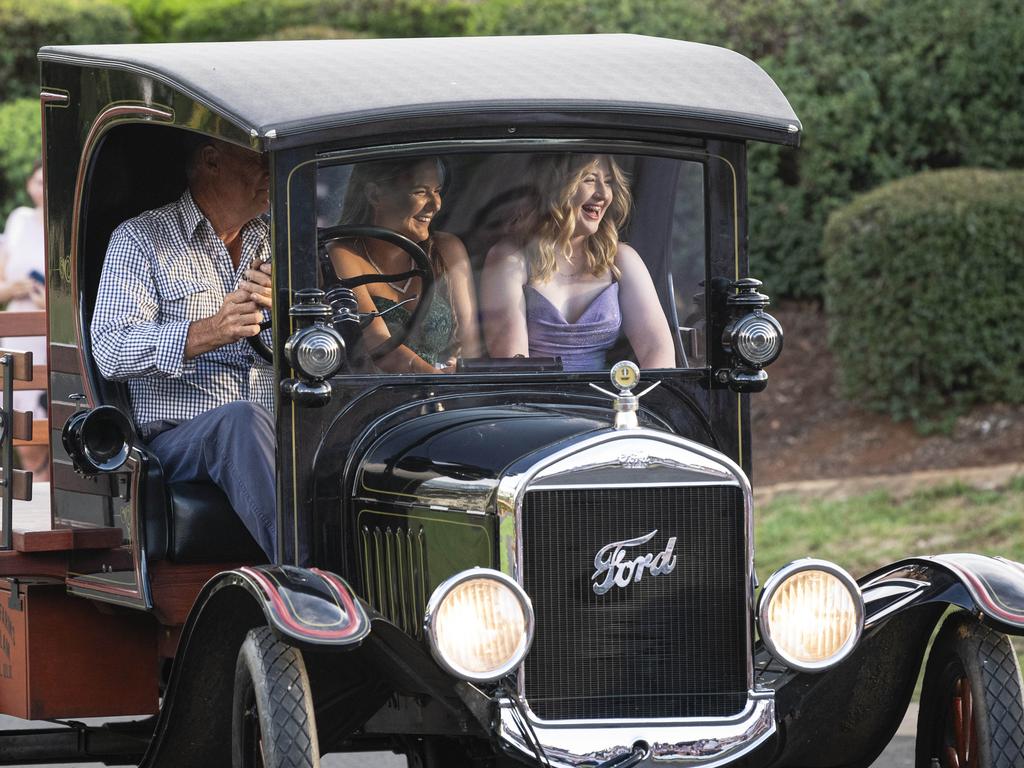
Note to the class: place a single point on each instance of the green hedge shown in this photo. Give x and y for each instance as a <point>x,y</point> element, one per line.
<point>212,20</point>
<point>925,292</point>
<point>20,127</point>
<point>884,89</point>
<point>28,25</point>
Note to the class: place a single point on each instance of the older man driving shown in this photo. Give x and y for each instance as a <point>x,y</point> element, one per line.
<point>182,287</point>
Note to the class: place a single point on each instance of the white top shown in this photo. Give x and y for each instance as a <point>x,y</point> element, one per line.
<point>24,246</point>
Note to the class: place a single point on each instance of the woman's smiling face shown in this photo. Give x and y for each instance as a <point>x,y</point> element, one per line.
<point>409,203</point>
<point>592,197</point>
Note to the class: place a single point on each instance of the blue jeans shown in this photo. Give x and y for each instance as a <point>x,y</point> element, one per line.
<point>233,447</point>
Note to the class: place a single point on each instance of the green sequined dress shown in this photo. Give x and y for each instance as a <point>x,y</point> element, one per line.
<point>434,339</point>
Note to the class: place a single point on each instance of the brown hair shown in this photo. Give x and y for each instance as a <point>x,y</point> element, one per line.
<point>357,210</point>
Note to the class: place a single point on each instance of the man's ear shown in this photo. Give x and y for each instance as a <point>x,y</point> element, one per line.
<point>210,157</point>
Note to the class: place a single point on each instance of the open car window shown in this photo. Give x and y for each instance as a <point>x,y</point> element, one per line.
<point>541,260</point>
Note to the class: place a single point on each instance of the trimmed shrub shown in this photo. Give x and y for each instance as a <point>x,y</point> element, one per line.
<point>884,90</point>
<point>28,25</point>
<point>924,294</point>
<point>21,129</point>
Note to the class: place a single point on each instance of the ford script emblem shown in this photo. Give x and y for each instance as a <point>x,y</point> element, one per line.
<point>620,570</point>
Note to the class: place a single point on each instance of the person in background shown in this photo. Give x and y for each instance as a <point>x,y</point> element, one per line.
<point>22,289</point>
<point>564,285</point>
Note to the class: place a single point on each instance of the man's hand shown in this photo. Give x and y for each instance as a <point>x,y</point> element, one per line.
<point>258,285</point>
<point>239,317</point>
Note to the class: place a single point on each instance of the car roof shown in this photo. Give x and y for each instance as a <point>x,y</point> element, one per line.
<point>277,89</point>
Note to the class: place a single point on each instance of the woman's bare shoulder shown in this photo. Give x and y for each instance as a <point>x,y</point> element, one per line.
<point>506,252</point>
<point>628,260</point>
<point>347,262</point>
<point>451,248</point>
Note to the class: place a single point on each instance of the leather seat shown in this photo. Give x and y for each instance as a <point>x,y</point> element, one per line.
<point>203,528</point>
<point>192,522</point>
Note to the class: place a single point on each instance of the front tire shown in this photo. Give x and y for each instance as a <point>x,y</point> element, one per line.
<point>272,724</point>
<point>972,707</point>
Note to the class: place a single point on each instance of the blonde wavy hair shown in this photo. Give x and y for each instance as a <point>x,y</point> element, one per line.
<point>547,233</point>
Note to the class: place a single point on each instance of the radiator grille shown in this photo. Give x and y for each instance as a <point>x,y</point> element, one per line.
<point>668,646</point>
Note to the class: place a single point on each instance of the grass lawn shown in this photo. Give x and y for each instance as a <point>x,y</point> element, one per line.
<point>867,532</point>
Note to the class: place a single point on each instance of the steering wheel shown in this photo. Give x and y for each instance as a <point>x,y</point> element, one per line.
<point>421,269</point>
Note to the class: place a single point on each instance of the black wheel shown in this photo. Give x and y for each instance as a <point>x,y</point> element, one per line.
<point>272,723</point>
<point>972,708</point>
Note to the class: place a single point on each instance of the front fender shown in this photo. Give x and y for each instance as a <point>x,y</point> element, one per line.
<point>989,587</point>
<point>307,606</point>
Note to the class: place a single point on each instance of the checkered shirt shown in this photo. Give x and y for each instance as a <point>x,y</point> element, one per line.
<point>165,269</point>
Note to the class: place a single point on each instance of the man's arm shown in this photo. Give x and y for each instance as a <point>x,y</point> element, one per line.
<point>128,341</point>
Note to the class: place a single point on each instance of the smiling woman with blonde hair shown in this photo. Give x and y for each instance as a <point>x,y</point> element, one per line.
<point>565,285</point>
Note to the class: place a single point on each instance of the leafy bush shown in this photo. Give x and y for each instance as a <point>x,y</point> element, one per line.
<point>20,127</point>
<point>924,293</point>
<point>242,19</point>
<point>883,89</point>
<point>27,25</point>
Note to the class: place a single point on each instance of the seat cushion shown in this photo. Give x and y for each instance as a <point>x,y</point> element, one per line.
<point>203,528</point>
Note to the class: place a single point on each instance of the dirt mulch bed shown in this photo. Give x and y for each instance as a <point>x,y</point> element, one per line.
<point>803,429</point>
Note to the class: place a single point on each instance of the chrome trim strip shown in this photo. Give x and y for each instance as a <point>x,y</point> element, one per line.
<point>141,596</point>
<point>700,742</point>
<point>593,486</point>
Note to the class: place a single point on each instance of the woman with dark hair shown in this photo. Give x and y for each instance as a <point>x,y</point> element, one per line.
<point>565,285</point>
<point>404,196</point>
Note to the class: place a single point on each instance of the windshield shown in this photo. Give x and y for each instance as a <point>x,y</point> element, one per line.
<point>528,260</point>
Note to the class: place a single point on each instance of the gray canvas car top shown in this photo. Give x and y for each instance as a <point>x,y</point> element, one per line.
<point>310,86</point>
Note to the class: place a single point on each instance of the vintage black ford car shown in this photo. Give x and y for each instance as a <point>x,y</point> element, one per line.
<point>499,563</point>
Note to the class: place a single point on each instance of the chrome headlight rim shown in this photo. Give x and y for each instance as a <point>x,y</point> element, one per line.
<point>437,598</point>
<point>779,578</point>
<point>302,338</point>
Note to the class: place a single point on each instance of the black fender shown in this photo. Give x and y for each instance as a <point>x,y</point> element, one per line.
<point>861,701</point>
<point>992,588</point>
<point>309,608</point>
<point>306,606</point>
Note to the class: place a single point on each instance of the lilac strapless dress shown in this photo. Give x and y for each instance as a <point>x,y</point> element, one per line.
<point>581,345</point>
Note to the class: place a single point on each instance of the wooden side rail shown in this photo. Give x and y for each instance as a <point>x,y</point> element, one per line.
<point>24,323</point>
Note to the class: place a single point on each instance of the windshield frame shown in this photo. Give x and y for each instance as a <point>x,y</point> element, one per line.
<point>718,160</point>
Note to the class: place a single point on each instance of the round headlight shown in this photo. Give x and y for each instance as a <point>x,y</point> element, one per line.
<point>756,338</point>
<point>479,624</point>
<point>811,614</point>
<point>317,352</point>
